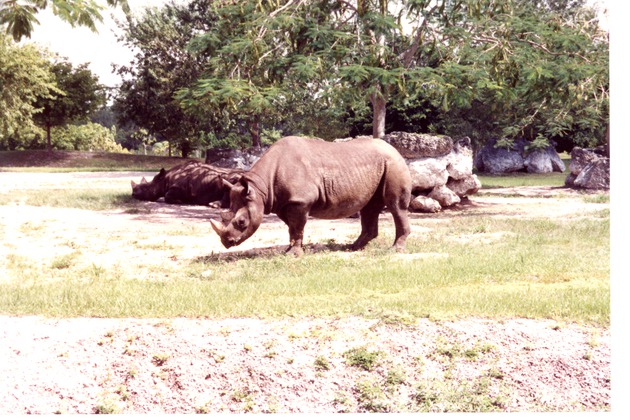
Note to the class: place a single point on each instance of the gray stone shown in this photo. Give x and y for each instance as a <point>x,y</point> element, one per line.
<point>595,176</point>
<point>414,145</point>
<point>498,160</point>
<point>234,158</point>
<point>581,158</point>
<point>422,204</point>
<point>444,196</point>
<point>464,187</point>
<point>460,160</point>
<point>544,161</point>
<point>427,173</point>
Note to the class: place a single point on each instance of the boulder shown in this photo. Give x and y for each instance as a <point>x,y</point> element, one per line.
<point>589,169</point>
<point>427,173</point>
<point>422,204</point>
<point>444,195</point>
<point>498,160</point>
<point>441,169</point>
<point>544,161</point>
<point>460,160</point>
<point>464,187</point>
<point>234,158</point>
<point>414,145</point>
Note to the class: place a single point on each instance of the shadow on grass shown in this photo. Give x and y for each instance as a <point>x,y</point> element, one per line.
<point>270,252</point>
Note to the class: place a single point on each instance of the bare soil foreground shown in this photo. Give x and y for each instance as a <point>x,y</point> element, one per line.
<point>84,365</point>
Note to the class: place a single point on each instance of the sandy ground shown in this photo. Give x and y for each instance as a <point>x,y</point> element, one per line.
<point>272,366</point>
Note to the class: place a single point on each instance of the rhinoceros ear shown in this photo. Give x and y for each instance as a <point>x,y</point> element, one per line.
<point>226,183</point>
<point>133,184</point>
<point>248,192</point>
<point>143,180</point>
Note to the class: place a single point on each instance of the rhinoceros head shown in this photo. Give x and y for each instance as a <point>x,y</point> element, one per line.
<point>244,216</point>
<point>149,191</point>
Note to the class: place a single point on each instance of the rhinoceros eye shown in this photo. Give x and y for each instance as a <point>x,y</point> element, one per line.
<point>241,223</point>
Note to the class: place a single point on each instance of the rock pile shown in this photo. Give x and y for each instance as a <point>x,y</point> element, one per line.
<point>499,160</point>
<point>590,169</point>
<point>234,158</point>
<point>441,169</point>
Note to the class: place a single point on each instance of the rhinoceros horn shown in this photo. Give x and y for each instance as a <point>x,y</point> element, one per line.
<point>226,216</point>
<point>218,227</point>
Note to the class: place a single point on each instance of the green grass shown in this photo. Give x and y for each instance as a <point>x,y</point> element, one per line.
<point>555,179</point>
<point>86,199</point>
<point>69,161</point>
<point>538,269</point>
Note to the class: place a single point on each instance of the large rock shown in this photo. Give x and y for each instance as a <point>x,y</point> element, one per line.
<point>460,160</point>
<point>422,204</point>
<point>464,187</point>
<point>441,169</point>
<point>234,158</point>
<point>544,161</point>
<point>445,196</point>
<point>414,145</point>
<point>498,160</point>
<point>589,169</point>
<point>428,173</point>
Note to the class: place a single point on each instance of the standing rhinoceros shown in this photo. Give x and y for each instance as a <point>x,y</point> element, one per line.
<point>298,177</point>
<point>189,183</point>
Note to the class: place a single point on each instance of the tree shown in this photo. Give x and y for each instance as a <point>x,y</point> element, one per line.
<point>241,73</point>
<point>24,76</point>
<point>507,67</point>
<point>89,137</point>
<point>543,75</point>
<point>79,95</point>
<point>264,52</point>
<point>161,66</point>
<point>19,16</point>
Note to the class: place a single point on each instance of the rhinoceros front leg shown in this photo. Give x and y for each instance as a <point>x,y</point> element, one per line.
<point>295,215</point>
<point>369,225</point>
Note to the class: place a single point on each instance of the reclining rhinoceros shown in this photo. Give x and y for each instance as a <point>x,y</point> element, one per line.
<point>298,177</point>
<point>189,183</point>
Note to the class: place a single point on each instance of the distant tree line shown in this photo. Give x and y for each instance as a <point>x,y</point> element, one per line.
<point>216,73</point>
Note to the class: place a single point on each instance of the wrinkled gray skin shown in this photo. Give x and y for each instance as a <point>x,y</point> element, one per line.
<point>298,177</point>
<point>189,183</point>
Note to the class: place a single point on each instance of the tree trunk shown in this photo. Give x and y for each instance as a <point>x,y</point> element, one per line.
<point>379,106</point>
<point>254,130</point>
<point>185,147</point>
<point>48,142</point>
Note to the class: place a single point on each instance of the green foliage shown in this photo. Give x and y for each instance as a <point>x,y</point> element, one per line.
<point>90,137</point>
<point>79,95</point>
<point>544,74</point>
<point>161,67</point>
<point>24,76</point>
<point>19,16</point>
<point>363,358</point>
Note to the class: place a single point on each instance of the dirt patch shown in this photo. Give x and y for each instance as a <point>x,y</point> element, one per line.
<point>291,365</point>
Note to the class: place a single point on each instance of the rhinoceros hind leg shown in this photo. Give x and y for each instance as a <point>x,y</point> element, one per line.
<point>401,221</point>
